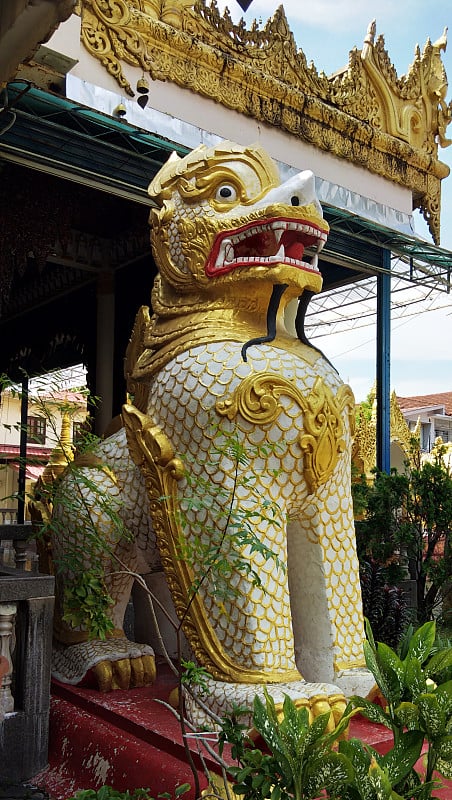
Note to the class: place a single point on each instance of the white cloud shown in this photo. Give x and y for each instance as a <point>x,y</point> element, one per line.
<point>424,337</point>
<point>332,16</point>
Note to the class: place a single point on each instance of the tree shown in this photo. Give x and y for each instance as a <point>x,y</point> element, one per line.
<point>407,525</point>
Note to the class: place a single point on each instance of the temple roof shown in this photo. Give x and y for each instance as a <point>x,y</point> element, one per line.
<point>365,113</point>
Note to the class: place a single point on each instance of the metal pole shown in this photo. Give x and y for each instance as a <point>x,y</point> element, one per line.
<point>384,364</point>
<point>22,451</point>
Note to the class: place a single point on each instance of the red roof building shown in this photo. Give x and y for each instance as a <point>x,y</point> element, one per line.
<point>434,411</point>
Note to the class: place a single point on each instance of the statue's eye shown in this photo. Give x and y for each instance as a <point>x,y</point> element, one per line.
<point>226,193</point>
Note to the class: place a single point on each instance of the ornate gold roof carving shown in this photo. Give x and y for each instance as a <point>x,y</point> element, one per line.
<point>365,442</point>
<point>364,113</point>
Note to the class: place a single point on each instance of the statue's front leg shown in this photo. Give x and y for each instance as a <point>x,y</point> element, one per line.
<point>325,587</point>
<point>241,628</point>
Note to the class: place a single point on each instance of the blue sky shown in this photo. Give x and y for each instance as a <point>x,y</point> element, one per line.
<point>326,30</point>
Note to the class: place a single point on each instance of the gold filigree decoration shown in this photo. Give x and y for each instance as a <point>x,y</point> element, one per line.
<point>364,113</point>
<point>138,391</point>
<point>153,453</point>
<point>322,438</point>
<point>365,443</point>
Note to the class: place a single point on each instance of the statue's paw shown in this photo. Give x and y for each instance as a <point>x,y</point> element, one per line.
<point>125,673</point>
<point>115,663</point>
<point>357,680</point>
<point>221,698</point>
<point>319,704</point>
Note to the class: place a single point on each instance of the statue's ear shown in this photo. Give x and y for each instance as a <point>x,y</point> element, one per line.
<point>156,186</point>
<point>173,157</point>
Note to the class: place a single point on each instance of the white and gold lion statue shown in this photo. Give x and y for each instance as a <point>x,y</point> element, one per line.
<point>234,248</point>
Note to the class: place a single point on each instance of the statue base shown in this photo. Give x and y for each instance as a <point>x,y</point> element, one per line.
<point>128,739</point>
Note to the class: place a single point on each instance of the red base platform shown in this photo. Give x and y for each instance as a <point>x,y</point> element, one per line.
<point>127,739</point>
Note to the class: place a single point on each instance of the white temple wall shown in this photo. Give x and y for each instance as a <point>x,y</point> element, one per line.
<point>206,116</point>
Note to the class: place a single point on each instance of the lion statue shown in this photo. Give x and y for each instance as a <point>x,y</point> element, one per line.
<point>223,359</point>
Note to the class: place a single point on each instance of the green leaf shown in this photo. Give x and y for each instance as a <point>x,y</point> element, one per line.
<point>444,767</point>
<point>444,748</point>
<point>370,635</point>
<point>182,789</point>
<point>380,782</point>
<point>443,694</point>
<point>372,711</point>
<point>431,716</point>
<point>317,727</point>
<point>415,681</point>
<point>373,665</point>
<point>330,771</point>
<point>407,715</point>
<point>422,641</point>
<point>393,672</point>
<point>399,761</point>
<point>438,663</point>
<point>360,757</point>
<point>266,722</point>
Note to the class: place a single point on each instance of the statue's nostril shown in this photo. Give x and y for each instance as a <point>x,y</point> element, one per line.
<point>295,200</point>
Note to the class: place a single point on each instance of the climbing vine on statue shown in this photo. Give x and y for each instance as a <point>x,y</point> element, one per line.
<point>86,601</point>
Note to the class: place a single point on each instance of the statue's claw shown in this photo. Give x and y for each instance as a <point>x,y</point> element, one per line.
<point>322,704</point>
<point>116,663</point>
<point>317,705</point>
<point>317,698</point>
<point>125,673</point>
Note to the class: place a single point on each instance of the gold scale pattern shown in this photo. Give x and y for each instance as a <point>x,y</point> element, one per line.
<point>256,631</point>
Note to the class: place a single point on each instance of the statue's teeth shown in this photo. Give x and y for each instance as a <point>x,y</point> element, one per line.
<point>278,234</point>
<point>229,252</point>
<point>225,253</point>
<point>280,255</point>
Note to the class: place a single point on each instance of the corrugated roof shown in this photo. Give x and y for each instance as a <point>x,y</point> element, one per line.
<point>425,400</point>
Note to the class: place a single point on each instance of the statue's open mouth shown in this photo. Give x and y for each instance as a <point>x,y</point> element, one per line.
<point>276,241</point>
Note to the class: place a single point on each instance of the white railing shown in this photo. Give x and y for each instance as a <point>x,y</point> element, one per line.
<point>7,646</point>
<point>8,516</point>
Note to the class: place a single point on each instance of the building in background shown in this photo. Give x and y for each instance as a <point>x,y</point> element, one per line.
<point>432,415</point>
<point>49,402</point>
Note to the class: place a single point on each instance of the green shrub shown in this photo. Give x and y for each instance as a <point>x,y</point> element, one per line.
<point>107,793</point>
<point>383,605</point>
